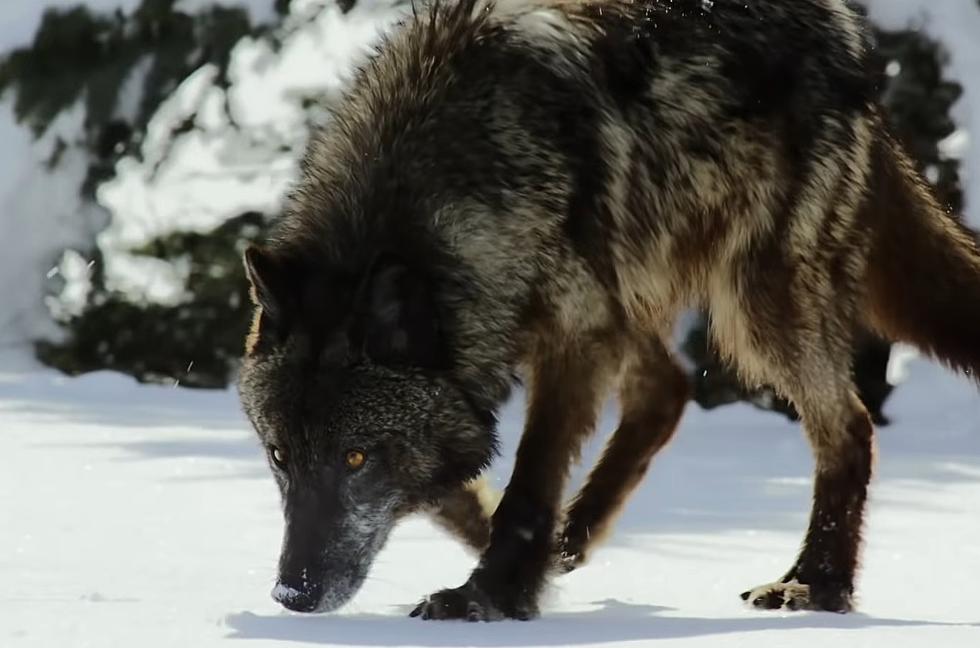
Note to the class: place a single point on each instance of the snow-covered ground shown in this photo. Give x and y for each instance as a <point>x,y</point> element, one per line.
<point>145,516</point>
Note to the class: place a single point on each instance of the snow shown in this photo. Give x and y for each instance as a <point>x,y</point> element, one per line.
<point>244,149</point>
<point>41,210</point>
<point>140,515</point>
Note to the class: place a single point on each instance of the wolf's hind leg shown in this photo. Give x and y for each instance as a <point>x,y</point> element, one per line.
<point>652,396</point>
<point>840,432</point>
<point>802,345</point>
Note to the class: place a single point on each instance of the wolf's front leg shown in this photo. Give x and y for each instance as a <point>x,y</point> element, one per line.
<point>466,513</point>
<point>565,388</point>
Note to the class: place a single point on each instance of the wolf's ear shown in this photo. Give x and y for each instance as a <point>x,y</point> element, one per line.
<point>398,321</point>
<point>271,282</point>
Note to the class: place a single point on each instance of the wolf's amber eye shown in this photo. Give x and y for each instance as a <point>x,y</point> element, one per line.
<point>278,456</point>
<point>355,459</point>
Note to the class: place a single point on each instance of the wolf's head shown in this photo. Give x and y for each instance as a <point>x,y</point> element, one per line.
<point>348,385</point>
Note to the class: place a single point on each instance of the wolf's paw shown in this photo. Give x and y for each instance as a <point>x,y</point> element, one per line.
<point>793,595</point>
<point>569,553</point>
<point>779,596</point>
<point>471,603</point>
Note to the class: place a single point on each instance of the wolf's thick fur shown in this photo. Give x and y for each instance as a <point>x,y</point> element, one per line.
<point>539,187</point>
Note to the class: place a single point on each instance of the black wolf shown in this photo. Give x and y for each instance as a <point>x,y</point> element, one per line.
<point>535,189</point>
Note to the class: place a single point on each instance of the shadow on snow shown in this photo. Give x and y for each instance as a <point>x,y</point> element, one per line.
<point>619,622</point>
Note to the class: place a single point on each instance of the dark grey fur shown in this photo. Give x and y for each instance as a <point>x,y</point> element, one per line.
<point>538,188</point>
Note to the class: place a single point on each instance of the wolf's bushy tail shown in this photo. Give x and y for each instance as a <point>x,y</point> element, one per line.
<point>924,266</point>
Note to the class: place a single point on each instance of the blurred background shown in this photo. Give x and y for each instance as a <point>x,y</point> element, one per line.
<point>144,143</point>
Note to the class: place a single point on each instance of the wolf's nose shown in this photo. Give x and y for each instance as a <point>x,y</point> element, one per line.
<point>294,599</point>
